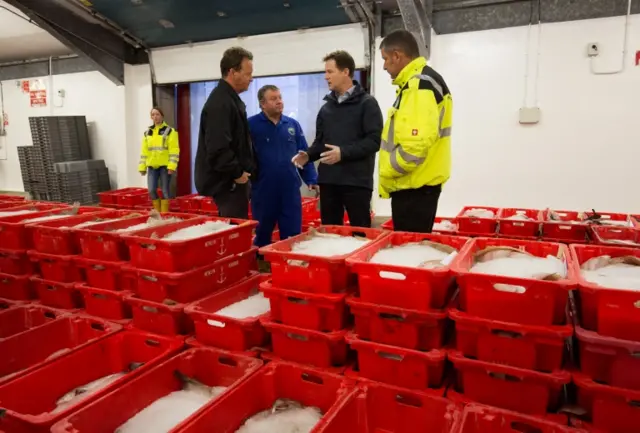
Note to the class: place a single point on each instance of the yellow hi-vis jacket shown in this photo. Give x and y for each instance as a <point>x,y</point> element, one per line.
<point>160,148</point>
<point>415,149</point>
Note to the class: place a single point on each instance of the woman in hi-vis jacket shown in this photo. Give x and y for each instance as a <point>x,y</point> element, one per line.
<point>159,158</point>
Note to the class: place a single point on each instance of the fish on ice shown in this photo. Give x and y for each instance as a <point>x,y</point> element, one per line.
<point>445,226</point>
<point>622,273</point>
<point>285,416</point>
<point>425,254</point>
<point>479,213</point>
<point>59,215</point>
<point>254,306</point>
<point>321,244</point>
<point>198,231</point>
<point>155,220</point>
<point>512,262</point>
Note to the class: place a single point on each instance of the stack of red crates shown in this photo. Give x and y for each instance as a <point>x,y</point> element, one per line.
<point>307,294</point>
<point>167,275</point>
<point>608,339</point>
<point>400,317</point>
<point>511,333</point>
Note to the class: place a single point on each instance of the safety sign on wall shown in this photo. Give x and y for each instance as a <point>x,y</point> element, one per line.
<point>38,98</point>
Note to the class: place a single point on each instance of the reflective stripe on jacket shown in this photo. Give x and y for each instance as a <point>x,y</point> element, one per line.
<point>415,149</point>
<point>160,148</point>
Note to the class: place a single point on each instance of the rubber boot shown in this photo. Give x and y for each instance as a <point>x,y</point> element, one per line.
<point>156,205</point>
<point>164,206</point>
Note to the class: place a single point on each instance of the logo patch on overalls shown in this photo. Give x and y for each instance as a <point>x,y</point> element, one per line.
<point>292,130</point>
<point>414,132</point>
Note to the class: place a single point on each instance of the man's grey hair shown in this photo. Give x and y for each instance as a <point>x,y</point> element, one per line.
<point>264,90</point>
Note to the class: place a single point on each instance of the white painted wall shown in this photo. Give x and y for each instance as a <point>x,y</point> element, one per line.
<point>294,52</point>
<point>116,117</point>
<point>585,151</point>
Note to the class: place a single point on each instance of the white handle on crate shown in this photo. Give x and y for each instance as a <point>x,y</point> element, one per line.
<point>216,323</point>
<point>509,288</point>
<point>387,275</point>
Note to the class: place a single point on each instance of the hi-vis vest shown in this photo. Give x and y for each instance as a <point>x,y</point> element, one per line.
<point>415,149</point>
<point>160,148</point>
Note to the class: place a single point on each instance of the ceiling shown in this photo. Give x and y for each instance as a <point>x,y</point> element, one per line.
<point>16,30</point>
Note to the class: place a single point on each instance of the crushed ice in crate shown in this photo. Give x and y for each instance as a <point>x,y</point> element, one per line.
<point>198,231</point>
<point>164,414</point>
<point>8,213</point>
<point>80,393</point>
<point>414,255</point>
<point>44,218</point>
<point>510,262</point>
<point>328,245</point>
<point>520,215</point>
<point>479,213</point>
<point>150,223</point>
<point>285,416</point>
<point>445,226</point>
<point>253,306</point>
<point>621,273</point>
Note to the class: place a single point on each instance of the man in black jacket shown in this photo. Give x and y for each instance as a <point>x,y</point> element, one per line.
<point>348,130</point>
<point>225,160</point>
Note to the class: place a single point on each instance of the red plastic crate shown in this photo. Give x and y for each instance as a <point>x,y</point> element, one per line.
<point>149,251</point>
<point>615,236</point>
<point>15,262</point>
<point>16,287</point>
<point>316,311</point>
<point>111,197</point>
<point>12,198</point>
<point>52,267</point>
<point>29,205</point>
<point>30,350</point>
<point>472,226</point>
<point>212,367</point>
<point>189,286</point>
<point>398,366</point>
<point>15,234</point>
<point>537,302</point>
<point>106,304</point>
<point>158,317</point>
<point>518,228</point>
<point>194,202</point>
<point>131,199</point>
<point>540,348</point>
<point>568,229</point>
<point>104,275</point>
<point>400,286</point>
<point>411,329</point>
<point>304,346</point>
<point>22,318</point>
<point>5,304</point>
<point>27,402</point>
<point>310,209</point>
<point>301,272</point>
<point>259,391</point>
<point>377,407</point>
<point>226,332</point>
<point>507,387</point>
<point>610,409</point>
<point>608,360</point>
<point>478,418</point>
<point>59,237</point>
<point>57,295</point>
<point>388,225</point>
<point>100,242</point>
<point>607,311</point>
<point>619,219</point>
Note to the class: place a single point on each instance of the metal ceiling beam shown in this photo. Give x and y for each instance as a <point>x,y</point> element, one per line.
<point>106,50</point>
<point>416,16</point>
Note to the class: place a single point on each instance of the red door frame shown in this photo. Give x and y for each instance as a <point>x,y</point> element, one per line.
<point>183,119</point>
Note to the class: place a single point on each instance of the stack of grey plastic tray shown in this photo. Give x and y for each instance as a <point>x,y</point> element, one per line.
<point>81,181</point>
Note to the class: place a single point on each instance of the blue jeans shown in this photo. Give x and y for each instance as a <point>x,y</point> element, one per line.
<point>159,175</point>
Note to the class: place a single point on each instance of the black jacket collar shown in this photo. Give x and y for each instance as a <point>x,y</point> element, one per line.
<point>357,93</point>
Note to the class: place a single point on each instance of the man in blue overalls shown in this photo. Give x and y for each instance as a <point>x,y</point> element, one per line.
<point>275,194</point>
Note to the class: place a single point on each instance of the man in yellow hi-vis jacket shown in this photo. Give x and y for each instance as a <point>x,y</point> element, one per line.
<point>415,154</point>
<point>159,158</point>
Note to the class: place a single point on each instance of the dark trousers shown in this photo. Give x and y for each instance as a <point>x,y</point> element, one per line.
<point>234,203</point>
<point>334,199</point>
<point>414,210</point>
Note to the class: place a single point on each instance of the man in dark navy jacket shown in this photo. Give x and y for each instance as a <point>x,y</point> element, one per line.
<point>348,130</point>
<point>275,194</point>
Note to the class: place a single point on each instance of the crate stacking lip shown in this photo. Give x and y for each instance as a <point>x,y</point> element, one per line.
<point>310,387</point>
<point>102,242</point>
<point>226,332</point>
<point>56,294</point>
<point>378,407</point>
<point>22,318</point>
<point>509,299</point>
<point>106,304</point>
<point>606,310</point>
<point>403,286</point>
<point>158,317</point>
<point>28,404</point>
<point>212,367</point>
<point>150,251</point>
<point>40,346</point>
<point>526,229</point>
<point>307,273</point>
<point>16,287</point>
<point>15,234</point>
<point>59,236</point>
<point>474,226</point>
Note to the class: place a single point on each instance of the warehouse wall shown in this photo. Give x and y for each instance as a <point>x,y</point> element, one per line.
<point>583,153</point>
<point>113,114</point>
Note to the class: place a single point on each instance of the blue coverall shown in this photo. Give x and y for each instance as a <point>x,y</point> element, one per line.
<point>275,194</point>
